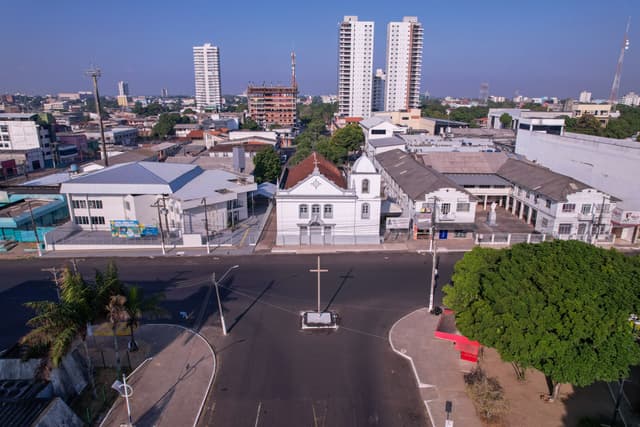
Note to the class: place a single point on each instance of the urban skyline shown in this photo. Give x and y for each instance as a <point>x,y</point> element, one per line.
<point>556,49</point>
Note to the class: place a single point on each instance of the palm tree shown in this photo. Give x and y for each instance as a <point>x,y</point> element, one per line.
<point>108,284</point>
<point>57,325</point>
<point>116,313</point>
<point>137,305</point>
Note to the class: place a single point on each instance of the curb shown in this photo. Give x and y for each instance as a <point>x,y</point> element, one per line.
<point>213,372</point>
<point>410,359</point>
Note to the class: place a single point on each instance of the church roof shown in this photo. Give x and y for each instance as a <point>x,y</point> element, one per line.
<point>306,167</point>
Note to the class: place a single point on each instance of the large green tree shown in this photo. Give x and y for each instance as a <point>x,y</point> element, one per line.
<point>267,166</point>
<point>166,123</point>
<point>349,137</point>
<point>586,124</point>
<point>505,120</point>
<point>561,307</point>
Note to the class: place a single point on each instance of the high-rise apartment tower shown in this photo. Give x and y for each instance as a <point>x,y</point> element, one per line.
<point>355,67</point>
<point>206,64</point>
<point>404,64</point>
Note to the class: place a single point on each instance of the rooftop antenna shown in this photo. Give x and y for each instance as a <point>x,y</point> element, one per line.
<point>294,84</point>
<point>95,73</point>
<point>613,98</point>
<point>484,93</point>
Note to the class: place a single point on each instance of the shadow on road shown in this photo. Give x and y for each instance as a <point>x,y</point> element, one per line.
<point>335,294</point>
<point>255,300</point>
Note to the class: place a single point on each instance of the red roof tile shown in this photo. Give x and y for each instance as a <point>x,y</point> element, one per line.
<point>196,134</point>
<point>305,168</point>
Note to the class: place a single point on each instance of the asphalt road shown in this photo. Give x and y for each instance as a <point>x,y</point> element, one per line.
<point>270,372</point>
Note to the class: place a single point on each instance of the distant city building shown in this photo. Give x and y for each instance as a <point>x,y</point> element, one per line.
<point>494,98</point>
<point>631,99</point>
<point>602,112</point>
<point>69,96</point>
<point>585,97</point>
<point>123,88</point>
<point>206,64</point>
<point>28,139</point>
<point>355,64</point>
<point>379,80</point>
<point>126,136</point>
<point>404,64</point>
<point>274,105</point>
<point>165,92</point>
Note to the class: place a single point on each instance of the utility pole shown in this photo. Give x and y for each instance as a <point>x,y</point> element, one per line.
<point>157,205</point>
<point>215,283</point>
<point>35,228</point>
<point>94,73</point>
<point>434,254</point>
<point>206,224</point>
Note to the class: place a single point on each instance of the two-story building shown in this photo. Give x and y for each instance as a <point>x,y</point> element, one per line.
<point>318,205</point>
<point>426,195</point>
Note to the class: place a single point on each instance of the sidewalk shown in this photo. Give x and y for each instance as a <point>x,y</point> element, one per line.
<point>437,367</point>
<point>169,389</point>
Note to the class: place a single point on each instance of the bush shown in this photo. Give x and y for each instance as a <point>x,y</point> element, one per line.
<point>487,395</point>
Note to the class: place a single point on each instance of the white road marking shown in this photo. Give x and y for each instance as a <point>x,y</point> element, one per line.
<point>258,414</point>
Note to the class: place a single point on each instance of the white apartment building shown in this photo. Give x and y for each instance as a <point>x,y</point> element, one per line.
<point>123,88</point>
<point>206,64</point>
<point>379,81</point>
<point>22,138</point>
<point>404,64</point>
<point>631,99</point>
<point>355,65</point>
<point>585,97</point>
<point>123,135</point>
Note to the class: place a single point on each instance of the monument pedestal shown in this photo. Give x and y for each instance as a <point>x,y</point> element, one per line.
<point>319,320</point>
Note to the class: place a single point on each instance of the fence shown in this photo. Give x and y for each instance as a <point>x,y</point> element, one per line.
<point>508,238</point>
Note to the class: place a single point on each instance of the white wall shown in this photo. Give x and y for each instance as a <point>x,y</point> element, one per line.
<point>609,165</point>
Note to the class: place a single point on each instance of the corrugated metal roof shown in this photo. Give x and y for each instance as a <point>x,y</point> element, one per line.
<point>464,162</point>
<point>386,142</point>
<point>415,179</point>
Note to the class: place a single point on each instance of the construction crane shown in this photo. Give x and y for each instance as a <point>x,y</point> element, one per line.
<point>613,98</point>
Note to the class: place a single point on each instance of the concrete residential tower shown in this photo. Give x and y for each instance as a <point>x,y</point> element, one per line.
<point>206,64</point>
<point>404,64</point>
<point>355,67</point>
<point>377,103</point>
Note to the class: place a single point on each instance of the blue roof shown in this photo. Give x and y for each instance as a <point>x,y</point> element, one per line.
<point>174,175</point>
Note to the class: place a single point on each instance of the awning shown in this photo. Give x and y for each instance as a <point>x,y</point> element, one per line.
<point>390,208</point>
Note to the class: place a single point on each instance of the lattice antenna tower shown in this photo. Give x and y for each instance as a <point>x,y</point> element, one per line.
<point>613,97</point>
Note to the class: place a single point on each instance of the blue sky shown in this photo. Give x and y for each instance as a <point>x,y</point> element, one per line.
<point>541,48</point>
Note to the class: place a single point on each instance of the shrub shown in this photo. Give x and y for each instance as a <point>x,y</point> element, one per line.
<point>487,395</point>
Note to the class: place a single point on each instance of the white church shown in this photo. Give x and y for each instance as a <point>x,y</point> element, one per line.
<point>318,205</point>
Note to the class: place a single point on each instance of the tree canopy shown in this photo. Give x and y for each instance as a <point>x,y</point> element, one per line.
<point>624,126</point>
<point>166,122</point>
<point>505,120</point>
<point>267,166</point>
<point>349,137</point>
<point>561,307</point>
<point>250,124</point>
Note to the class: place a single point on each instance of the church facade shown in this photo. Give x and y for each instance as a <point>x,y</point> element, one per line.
<point>318,205</point>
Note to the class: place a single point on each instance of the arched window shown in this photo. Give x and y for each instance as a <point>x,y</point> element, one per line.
<point>315,209</point>
<point>365,211</point>
<point>365,186</point>
<point>303,211</point>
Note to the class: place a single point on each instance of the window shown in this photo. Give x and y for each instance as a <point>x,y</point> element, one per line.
<point>582,228</point>
<point>82,220</point>
<point>79,204</point>
<point>378,132</point>
<point>528,195</point>
<point>328,211</point>
<point>315,209</point>
<point>460,233</point>
<point>568,207</point>
<point>463,207</point>
<point>303,211</point>
<point>97,220</point>
<point>365,186</point>
<point>95,204</point>
<point>586,209</point>
<point>445,208</point>
<point>564,229</point>
<point>4,128</point>
<point>548,204</point>
<point>127,205</point>
<point>365,213</point>
<point>544,222</point>
<point>605,210</point>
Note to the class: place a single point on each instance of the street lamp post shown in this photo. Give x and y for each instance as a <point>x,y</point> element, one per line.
<point>215,283</point>
<point>206,224</point>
